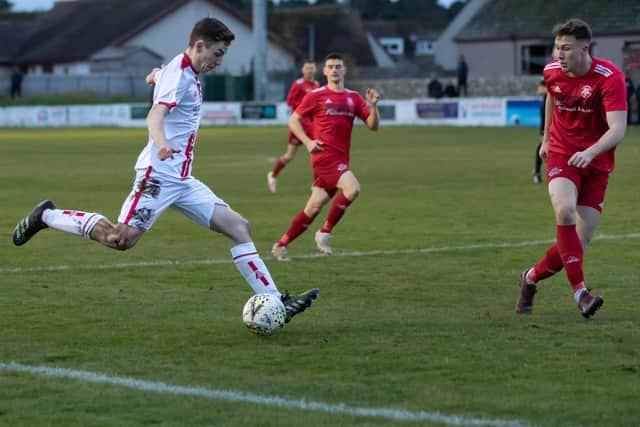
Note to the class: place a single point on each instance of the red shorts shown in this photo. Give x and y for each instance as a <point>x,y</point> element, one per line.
<point>591,183</point>
<point>293,140</point>
<point>307,125</point>
<point>327,173</point>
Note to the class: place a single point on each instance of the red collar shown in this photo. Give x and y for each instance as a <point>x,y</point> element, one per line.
<point>186,62</point>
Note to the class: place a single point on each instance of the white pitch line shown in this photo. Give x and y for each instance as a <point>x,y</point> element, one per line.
<point>167,263</point>
<point>244,397</point>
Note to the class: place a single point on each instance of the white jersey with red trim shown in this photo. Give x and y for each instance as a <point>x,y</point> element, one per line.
<point>177,86</point>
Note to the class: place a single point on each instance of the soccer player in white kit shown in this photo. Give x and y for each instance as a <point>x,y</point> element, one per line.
<point>163,173</point>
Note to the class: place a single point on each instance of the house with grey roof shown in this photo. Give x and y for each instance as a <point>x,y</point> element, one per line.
<point>85,36</point>
<point>513,38</point>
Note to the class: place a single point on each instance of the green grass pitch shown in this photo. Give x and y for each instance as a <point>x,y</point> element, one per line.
<point>416,310</point>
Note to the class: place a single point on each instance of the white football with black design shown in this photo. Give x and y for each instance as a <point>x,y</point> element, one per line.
<point>264,314</point>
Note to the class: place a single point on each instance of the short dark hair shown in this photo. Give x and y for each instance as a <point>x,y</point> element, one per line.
<point>308,61</point>
<point>334,55</point>
<point>211,30</point>
<point>573,27</point>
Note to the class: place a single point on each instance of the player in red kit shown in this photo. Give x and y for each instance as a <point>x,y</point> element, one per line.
<point>298,90</point>
<point>332,109</point>
<point>586,117</point>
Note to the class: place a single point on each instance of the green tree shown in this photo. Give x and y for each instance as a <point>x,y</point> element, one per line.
<point>5,5</point>
<point>456,7</point>
<point>369,9</point>
<point>293,3</point>
<point>427,10</point>
<point>240,5</point>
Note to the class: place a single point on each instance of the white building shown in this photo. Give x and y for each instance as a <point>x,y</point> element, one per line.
<point>67,38</point>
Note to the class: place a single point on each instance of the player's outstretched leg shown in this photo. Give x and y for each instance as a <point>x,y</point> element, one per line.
<point>295,304</point>
<point>31,224</point>
<point>588,305</point>
<point>527,292</point>
<point>253,269</point>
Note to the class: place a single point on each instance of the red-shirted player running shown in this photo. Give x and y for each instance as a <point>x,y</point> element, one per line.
<point>589,117</point>
<point>332,109</point>
<point>299,89</point>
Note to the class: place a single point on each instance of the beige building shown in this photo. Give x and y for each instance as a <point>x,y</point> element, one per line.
<point>512,38</point>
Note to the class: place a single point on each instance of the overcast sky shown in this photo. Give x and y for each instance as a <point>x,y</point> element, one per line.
<point>24,5</point>
<point>28,5</point>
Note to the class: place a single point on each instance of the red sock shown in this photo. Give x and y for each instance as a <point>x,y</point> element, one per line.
<point>548,266</point>
<point>339,206</point>
<point>571,252</point>
<point>298,226</point>
<point>280,164</point>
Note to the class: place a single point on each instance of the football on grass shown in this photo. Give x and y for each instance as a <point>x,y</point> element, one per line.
<point>264,314</point>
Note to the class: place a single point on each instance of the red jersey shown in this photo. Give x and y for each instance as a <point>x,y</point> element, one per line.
<point>333,114</point>
<point>580,105</point>
<point>298,90</point>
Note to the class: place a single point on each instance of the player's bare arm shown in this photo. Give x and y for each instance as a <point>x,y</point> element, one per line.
<point>617,121</point>
<point>295,124</point>
<point>548,109</point>
<point>372,97</point>
<point>155,124</point>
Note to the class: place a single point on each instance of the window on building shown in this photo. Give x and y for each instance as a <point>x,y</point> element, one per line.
<point>424,47</point>
<point>393,45</point>
<point>535,57</point>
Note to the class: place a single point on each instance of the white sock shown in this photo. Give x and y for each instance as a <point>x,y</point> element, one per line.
<point>255,272</point>
<point>577,294</point>
<point>527,277</point>
<point>74,222</point>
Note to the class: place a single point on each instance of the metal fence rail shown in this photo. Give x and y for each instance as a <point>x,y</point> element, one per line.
<point>101,85</point>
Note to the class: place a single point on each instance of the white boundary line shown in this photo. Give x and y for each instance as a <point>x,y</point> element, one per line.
<point>271,401</point>
<point>168,263</point>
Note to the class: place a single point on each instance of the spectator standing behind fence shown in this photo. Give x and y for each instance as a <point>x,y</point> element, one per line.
<point>638,102</point>
<point>450,91</point>
<point>16,82</point>
<point>463,74</point>
<point>434,88</point>
<point>630,92</point>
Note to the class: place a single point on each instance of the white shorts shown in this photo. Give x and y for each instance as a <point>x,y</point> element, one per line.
<point>151,195</point>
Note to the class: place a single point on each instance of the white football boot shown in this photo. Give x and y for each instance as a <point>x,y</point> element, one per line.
<point>280,252</point>
<point>271,182</point>
<point>322,241</point>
